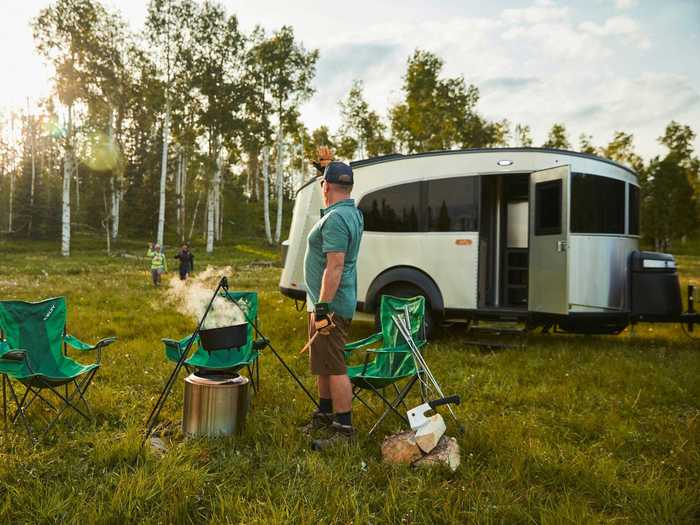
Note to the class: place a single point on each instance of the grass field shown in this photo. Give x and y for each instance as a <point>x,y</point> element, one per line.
<point>570,429</point>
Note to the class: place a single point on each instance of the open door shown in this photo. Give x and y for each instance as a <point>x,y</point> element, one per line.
<point>549,241</point>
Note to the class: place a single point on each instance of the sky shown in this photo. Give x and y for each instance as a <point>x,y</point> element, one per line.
<point>597,65</point>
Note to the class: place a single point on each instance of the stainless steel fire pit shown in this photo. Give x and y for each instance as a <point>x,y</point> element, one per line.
<point>215,404</point>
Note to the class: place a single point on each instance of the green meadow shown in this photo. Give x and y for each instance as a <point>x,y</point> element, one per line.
<point>565,429</point>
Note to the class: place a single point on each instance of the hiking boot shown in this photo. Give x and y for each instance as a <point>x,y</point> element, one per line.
<point>318,421</point>
<point>341,434</point>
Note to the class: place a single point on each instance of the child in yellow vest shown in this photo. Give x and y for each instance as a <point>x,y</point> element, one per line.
<point>158,262</point>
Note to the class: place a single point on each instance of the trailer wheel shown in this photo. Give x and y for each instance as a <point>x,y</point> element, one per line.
<point>408,290</point>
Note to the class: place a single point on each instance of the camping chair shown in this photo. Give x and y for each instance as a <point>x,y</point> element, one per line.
<point>230,360</point>
<point>393,362</point>
<point>33,352</point>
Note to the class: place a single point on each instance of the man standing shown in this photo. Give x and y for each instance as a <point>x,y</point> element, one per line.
<point>186,261</point>
<point>330,275</point>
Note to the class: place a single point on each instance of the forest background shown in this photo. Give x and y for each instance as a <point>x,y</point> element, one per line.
<point>190,130</point>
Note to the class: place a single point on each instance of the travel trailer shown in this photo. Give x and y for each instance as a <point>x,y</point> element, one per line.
<point>543,236</point>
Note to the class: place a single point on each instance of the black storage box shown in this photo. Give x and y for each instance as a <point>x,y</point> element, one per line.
<point>655,289</point>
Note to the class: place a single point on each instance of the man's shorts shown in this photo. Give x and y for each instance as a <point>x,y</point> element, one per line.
<point>326,355</point>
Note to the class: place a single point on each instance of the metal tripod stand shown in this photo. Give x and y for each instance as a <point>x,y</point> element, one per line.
<point>155,412</point>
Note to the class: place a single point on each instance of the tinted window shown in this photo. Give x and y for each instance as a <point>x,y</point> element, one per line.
<point>394,209</point>
<point>548,207</point>
<point>451,205</point>
<point>597,204</point>
<point>634,210</point>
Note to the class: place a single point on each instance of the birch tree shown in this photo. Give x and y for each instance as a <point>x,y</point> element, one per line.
<point>215,61</point>
<point>287,71</point>
<point>63,33</point>
<point>165,23</point>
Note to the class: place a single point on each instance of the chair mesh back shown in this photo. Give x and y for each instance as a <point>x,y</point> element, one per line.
<point>37,328</point>
<point>400,364</point>
<point>392,306</point>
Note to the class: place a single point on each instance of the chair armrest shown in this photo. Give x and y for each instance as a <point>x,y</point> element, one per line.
<point>85,347</point>
<point>261,343</point>
<point>172,343</point>
<point>356,345</point>
<point>14,355</point>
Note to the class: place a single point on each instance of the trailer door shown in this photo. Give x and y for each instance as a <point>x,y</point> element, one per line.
<point>549,241</point>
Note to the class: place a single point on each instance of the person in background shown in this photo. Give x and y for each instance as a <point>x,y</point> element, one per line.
<point>158,262</point>
<point>186,261</point>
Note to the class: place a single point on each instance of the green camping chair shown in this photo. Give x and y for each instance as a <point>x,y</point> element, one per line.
<point>393,362</point>
<point>33,352</point>
<point>230,360</point>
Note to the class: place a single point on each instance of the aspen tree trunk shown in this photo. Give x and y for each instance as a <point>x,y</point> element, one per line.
<point>67,175</point>
<point>163,176</point>
<point>194,215</point>
<point>12,177</point>
<point>256,180</point>
<point>178,193</point>
<point>31,189</point>
<point>266,193</point>
<point>114,184</point>
<point>210,219</point>
<point>280,185</point>
<point>183,198</point>
<point>216,204</point>
<point>12,195</point>
<point>77,188</point>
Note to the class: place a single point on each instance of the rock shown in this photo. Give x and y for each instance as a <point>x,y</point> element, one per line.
<point>446,452</point>
<point>401,448</point>
<point>429,434</point>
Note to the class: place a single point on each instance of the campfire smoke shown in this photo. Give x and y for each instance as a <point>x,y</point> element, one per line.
<point>192,296</point>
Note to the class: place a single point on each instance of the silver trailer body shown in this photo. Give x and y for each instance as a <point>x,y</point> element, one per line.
<point>524,233</point>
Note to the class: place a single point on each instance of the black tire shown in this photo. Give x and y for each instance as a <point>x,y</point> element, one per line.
<point>407,290</point>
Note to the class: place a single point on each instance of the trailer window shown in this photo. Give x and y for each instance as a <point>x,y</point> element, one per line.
<point>548,207</point>
<point>394,209</point>
<point>452,205</point>
<point>633,210</point>
<point>597,204</point>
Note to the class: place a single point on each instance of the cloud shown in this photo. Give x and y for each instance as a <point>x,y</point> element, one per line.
<point>509,83</point>
<point>535,65</point>
<point>625,4</point>
<point>543,13</point>
<point>625,28</point>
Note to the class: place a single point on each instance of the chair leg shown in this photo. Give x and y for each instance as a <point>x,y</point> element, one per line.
<point>257,372</point>
<point>391,406</point>
<point>4,402</point>
<point>398,394</point>
<point>356,395</point>
<point>20,411</point>
<point>252,379</point>
<point>21,403</point>
<point>82,398</point>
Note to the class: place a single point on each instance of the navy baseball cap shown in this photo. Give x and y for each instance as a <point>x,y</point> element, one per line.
<point>338,173</point>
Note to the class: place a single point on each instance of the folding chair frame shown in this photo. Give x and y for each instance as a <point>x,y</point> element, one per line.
<point>35,386</point>
<point>70,400</point>
<point>391,406</point>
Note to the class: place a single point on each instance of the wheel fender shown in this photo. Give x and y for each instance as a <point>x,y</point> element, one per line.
<point>405,274</point>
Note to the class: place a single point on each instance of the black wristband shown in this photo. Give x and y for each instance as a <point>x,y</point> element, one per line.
<point>322,310</point>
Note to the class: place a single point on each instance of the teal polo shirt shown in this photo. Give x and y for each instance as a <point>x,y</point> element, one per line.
<point>338,230</point>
